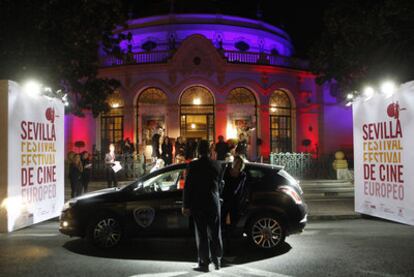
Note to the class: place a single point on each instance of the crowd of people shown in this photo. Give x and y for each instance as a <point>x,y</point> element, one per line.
<point>186,150</point>
<point>79,172</point>
<point>164,152</point>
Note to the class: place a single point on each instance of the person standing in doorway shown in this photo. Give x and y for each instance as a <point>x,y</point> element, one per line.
<point>221,148</point>
<point>241,148</point>
<point>110,162</point>
<point>155,144</point>
<point>179,146</point>
<point>201,200</point>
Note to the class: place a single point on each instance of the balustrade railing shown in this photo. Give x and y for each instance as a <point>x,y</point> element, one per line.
<point>133,166</point>
<point>304,166</point>
<point>138,58</point>
<point>263,58</point>
<point>231,57</point>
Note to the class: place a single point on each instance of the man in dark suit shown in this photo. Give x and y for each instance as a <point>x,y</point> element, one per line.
<point>221,148</point>
<point>155,144</point>
<point>201,199</point>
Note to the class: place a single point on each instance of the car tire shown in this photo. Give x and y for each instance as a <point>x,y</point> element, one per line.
<point>105,231</point>
<point>266,232</point>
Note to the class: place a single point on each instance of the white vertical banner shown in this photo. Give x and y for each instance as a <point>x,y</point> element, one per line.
<point>384,155</point>
<point>35,190</point>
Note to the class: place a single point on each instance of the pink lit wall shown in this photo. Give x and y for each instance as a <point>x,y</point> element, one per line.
<point>80,129</point>
<point>308,130</point>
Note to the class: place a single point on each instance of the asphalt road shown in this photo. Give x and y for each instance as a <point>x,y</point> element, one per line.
<point>359,247</point>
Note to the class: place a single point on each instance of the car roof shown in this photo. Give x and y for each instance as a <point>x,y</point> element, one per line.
<point>264,166</point>
<point>184,165</point>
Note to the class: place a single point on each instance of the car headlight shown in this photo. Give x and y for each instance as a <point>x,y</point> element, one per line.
<point>68,205</point>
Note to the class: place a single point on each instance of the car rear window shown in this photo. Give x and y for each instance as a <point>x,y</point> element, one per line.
<point>259,178</point>
<point>256,174</point>
<point>264,178</point>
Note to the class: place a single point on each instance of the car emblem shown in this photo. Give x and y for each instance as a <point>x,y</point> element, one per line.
<point>144,216</point>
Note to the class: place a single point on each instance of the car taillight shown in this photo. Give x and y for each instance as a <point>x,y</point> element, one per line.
<point>292,193</point>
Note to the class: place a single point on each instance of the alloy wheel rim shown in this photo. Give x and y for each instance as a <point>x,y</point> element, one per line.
<point>107,232</point>
<point>266,232</point>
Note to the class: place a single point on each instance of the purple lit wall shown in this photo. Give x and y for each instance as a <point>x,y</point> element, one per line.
<point>338,125</point>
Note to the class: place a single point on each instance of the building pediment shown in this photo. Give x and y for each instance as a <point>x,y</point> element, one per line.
<point>197,57</point>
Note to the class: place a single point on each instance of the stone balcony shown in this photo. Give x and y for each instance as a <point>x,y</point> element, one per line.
<point>234,57</point>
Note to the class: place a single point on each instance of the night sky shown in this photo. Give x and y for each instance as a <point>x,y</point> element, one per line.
<point>301,19</point>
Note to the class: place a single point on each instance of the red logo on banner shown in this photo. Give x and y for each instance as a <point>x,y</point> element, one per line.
<point>393,110</point>
<point>50,115</point>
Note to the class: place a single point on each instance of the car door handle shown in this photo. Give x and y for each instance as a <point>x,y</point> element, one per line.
<point>179,202</point>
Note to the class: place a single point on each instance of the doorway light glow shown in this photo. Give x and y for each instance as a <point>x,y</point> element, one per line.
<point>231,131</point>
<point>197,101</point>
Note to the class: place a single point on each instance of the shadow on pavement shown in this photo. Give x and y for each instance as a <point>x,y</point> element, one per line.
<point>172,249</point>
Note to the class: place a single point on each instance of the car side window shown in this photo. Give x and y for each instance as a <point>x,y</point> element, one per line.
<point>255,174</point>
<point>166,181</point>
<point>256,178</point>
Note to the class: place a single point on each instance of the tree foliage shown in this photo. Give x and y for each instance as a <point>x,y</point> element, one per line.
<point>58,43</point>
<point>365,42</point>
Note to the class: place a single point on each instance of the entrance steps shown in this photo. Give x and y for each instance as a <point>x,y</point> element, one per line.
<point>327,189</point>
<point>329,199</point>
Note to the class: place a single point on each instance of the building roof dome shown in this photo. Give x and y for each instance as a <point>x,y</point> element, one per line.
<point>230,33</point>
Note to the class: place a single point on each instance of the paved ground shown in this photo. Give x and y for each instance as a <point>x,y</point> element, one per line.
<point>358,247</point>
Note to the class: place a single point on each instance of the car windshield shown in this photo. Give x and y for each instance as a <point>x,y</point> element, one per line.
<point>163,181</point>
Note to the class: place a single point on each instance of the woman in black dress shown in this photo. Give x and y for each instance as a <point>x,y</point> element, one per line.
<point>75,175</point>
<point>86,173</point>
<point>167,149</point>
<point>234,193</point>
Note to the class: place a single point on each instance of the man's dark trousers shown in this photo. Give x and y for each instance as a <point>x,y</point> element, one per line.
<point>207,225</point>
<point>201,197</point>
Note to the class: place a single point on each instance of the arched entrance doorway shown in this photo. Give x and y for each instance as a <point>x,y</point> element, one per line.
<point>197,114</point>
<point>242,114</point>
<point>151,110</point>
<point>280,122</point>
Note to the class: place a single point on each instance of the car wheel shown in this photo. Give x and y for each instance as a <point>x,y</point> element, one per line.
<point>105,232</point>
<point>266,232</point>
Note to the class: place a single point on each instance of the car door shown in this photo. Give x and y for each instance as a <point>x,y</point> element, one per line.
<point>155,206</point>
<point>170,200</point>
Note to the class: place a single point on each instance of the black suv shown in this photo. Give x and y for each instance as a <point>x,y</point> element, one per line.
<point>151,206</point>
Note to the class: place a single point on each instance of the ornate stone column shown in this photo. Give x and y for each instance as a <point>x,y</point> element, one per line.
<point>173,120</point>
<point>221,120</point>
<point>264,129</point>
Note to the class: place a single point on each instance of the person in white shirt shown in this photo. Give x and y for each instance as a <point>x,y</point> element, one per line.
<point>109,162</point>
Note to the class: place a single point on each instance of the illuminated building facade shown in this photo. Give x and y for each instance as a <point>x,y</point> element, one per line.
<point>200,76</point>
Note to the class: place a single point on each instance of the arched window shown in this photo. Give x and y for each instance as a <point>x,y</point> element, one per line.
<point>280,122</point>
<point>150,106</point>
<point>241,96</point>
<point>112,122</point>
<point>197,114</point>
<point>153,96</point>
<point>242,114</point>
<point>198,96</point>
